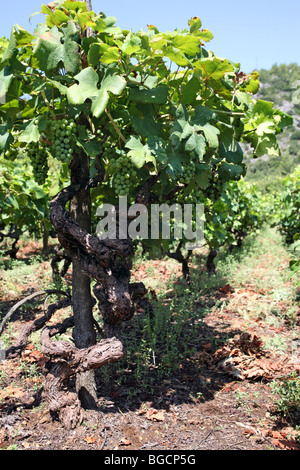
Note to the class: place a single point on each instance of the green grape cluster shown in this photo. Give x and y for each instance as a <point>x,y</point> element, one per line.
<point>214,189</point>
<point>109,150</point>
<point>63,133</point>
<point>197,197</point>
<point>39,160</point>
<point>194,197</point>
<point>12,153</point>
<point>188,173</point>
<point>124,175</point>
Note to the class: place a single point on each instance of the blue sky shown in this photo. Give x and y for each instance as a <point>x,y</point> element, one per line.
<point>256,33</point>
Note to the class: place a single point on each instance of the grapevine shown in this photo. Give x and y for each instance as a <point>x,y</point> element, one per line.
<point>80,64</point>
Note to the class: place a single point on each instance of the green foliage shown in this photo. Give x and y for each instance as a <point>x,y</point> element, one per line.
<point>144,106</point>
<point>295,261</point>
<point>22,201</point>
<point>280,85</point>
<point>287,392</point>
<point>237,212</point>
<point>3,45</point>
<point>289,223</point>
<point>121,83</point>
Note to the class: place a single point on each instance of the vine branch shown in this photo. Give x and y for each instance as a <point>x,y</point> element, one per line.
<point>116,128</point>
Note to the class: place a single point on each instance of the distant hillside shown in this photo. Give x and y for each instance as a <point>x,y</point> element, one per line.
<point>279,85</point>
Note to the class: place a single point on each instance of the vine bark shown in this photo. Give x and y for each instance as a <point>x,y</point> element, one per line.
<point>108,262</point>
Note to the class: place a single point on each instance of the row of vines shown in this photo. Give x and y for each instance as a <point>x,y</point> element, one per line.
<point>239,209</point>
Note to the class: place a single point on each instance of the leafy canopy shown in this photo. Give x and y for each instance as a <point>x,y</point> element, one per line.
<point>158,101</point>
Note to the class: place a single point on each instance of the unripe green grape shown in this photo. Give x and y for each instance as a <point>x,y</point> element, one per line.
<point>39,160</point>
<point>124,173</point>
<point>187,173</point>
<point>63,139</point>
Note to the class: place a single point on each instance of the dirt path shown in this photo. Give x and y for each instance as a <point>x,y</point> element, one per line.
<point>219,397</point>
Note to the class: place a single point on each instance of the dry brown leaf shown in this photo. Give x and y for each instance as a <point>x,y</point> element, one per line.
<point>285,444</point>
<point>26,445</point>
<point>155,415</point>
<point>125,442</point>
<point>11,392</point>
<point>33,355</point>
<point>90,440</point>
<point>227,289</point>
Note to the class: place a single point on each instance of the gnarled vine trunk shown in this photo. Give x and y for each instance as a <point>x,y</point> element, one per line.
<point>83,333</point>
<point>210,264</point>
<point>108,262</point>
<point>67,361</point>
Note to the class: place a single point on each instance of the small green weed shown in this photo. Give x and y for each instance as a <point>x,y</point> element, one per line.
<point>275,343</point>
<point>287,392</point>
<point>241,398</point>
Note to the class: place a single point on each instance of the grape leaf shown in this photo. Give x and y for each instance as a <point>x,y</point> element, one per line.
<point>86,88</point>
<point>211,134</point>
<point>230,171</point>
<point>203,115</point>
<point>6,78</point>
<point>187,44</point>
<point>157,95</point>
<point>205,35</point>
<point>196,142</point>
<point>252,86</point>
<point>94,54</point>
<point>175,55</point>
<point>213,67</point>
<point>266,145</point>
<point>30,132</point>
<point>230,149</point>
<point>203,173</point>
<point>146,126</point>
<point>50,52</point>
<point>157,148</point>
<point>22,36</point>
<point>112,83</point>
<point>11,50</point>
<point>139,154</point>
<point>5,137</point>
<point>189,90</point>
<point>195,24</point>
<point>112,55</point>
